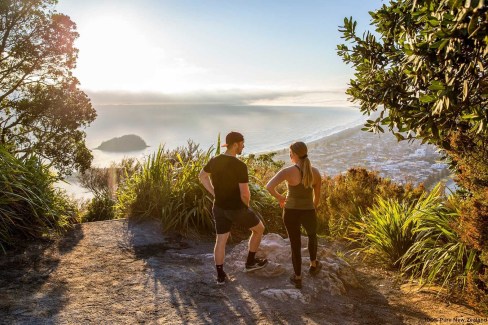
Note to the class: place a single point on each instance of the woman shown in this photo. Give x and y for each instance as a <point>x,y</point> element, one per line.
<point>303,182</point>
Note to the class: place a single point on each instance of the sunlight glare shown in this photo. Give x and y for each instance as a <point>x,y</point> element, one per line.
<point>116,53</point>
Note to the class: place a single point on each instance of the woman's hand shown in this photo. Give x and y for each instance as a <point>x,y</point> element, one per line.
<point>282,201</point>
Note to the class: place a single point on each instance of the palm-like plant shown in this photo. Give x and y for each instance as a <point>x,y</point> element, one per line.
<point>438,254</point>
<point>30,206</point>
<point>167,188</point>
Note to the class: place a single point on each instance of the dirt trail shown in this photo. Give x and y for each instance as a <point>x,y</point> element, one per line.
<point>119,272</point>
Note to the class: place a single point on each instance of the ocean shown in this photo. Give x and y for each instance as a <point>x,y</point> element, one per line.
<point>265,128</point>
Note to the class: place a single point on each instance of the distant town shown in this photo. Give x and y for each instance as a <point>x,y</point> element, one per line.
<point>401,162</point>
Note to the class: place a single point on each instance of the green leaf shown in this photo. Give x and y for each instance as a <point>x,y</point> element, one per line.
<point>436,85</point>
<point>473,116</point>
<point>399,136</point>
<point>427,98</point>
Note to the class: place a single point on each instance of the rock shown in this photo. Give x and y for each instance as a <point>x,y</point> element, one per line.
<point>285,295</point>
<point>336,274</point>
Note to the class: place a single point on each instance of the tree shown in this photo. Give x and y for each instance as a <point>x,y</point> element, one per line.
<point>424,72</point>
<point>42,110</point>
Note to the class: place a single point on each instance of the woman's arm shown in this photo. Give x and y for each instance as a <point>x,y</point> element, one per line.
<point>316,187</point>
<point>275,181</point>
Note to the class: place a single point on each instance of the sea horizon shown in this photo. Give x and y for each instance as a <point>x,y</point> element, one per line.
<point>265,128</point>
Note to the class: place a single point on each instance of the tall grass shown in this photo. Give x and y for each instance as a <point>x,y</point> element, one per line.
<point>384,232</point>
<point>167,188</point>
<point>30,206</point>
<point>438,254</point>
<point>419,238</point>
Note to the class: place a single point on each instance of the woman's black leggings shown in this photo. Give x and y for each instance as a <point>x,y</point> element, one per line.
<point>294,219</point>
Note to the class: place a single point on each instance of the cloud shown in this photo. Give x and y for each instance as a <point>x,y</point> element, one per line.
<point>310,97</point>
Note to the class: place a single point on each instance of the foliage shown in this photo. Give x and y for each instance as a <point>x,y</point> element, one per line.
<point>103,184</point>
<point>384,231</point>
<point>426,75</point>
<point>346,195</point>
<point>30,207</point>
<point>261,169</point>
<point>101,207</point>
<point>438,254</point>
<point>42,110</point>
<point>427,70</point>
<point>167,188</point>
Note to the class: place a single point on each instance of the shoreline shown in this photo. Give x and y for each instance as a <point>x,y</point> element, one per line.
<point>351,147</point>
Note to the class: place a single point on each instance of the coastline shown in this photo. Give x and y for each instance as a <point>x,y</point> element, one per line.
<point>351,147</point>
<point>401,161</point>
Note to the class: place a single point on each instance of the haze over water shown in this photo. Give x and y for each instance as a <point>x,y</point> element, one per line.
<point>265,128</point>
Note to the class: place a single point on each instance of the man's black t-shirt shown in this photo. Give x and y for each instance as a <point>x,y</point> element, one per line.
<point>226,173</point>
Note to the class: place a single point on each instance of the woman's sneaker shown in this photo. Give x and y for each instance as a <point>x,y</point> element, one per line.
<point>314,270</point>
<point>221,279</point>
<point>259,263</point>
<point>297,282</point>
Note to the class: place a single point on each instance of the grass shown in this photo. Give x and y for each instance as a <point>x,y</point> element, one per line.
<point>30,206</point>
<point>167,188</point>
<point>438,254</point>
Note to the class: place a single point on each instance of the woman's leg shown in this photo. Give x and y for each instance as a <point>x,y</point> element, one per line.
<point>292,225</point>
<point>309,221</point>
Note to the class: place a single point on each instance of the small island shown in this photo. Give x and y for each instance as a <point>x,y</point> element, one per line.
<point>130,142</point>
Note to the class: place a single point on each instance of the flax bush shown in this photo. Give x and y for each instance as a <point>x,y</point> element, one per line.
<point>438,254</point>
<point>384,232</point>
<point>30,206</point>
<point>167,188</point>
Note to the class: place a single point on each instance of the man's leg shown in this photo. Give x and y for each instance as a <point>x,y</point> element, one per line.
<point>256,236</point>
<point>249,219</point>
<point>219,249</point>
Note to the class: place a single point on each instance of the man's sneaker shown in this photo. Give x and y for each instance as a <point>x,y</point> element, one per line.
<point>259,263</point>
<point>297,282</point>
<point>314,270</point>
<point>221,279</point>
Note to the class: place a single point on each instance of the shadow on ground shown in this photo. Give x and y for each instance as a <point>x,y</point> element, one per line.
<point>182,279</point>
<point>23,274</point>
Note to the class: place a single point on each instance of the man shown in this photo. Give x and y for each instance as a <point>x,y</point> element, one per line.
<point>226,178</point>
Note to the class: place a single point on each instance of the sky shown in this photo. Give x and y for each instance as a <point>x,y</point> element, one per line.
<point>258,52</point>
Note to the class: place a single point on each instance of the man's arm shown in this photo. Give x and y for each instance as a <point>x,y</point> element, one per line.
<point>245,193</point>
<point>206,182</point>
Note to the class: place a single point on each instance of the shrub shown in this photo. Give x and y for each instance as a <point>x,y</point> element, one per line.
<point>167,188</point>
<point>261,169</point>
<point>438,254</point>
<point>30,206</point>
<point>384,231</point>
<point>101,207</point>
<point>346,195</point>
<point>103,184</point>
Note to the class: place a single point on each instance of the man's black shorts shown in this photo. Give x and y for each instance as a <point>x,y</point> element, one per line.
<point>224,219</point>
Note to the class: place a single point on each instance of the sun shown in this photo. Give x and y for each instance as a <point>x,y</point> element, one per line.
<point>117,53</point>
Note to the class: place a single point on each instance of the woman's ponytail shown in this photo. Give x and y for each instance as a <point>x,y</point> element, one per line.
<point>301,150</point>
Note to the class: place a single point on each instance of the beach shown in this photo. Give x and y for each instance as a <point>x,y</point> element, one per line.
<point>399,161</point>
<point>333,154</point>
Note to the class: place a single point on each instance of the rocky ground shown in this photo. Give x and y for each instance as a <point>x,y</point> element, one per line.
<point>121,272</point>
